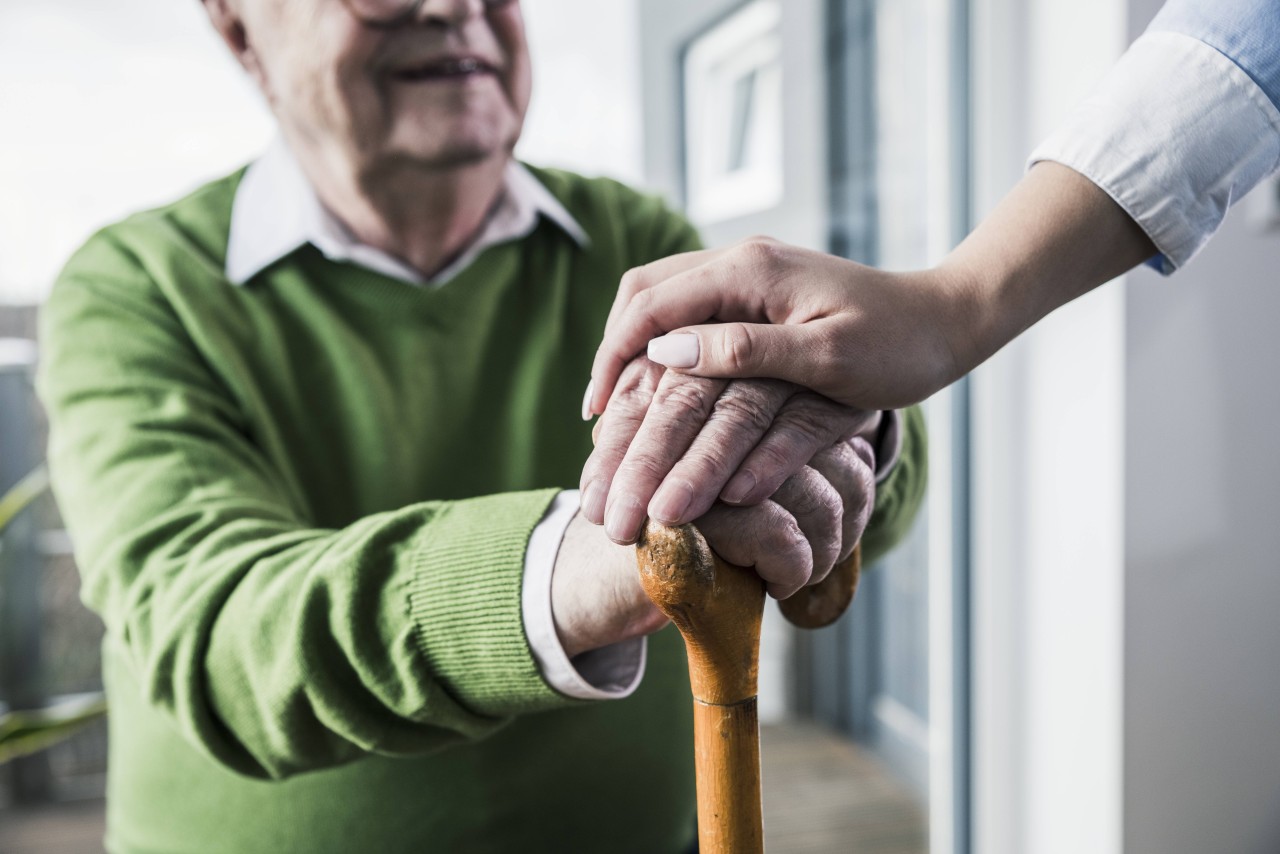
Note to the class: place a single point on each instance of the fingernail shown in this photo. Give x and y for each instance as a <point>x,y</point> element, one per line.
<point>622,522</point>
<point>738,489</point>
<point>672,500</point>
<point>593,501</point>
<point>675,351</point>
<point>586,401</point>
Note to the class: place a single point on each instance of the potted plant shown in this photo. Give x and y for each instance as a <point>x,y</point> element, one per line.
<point>27,731</point>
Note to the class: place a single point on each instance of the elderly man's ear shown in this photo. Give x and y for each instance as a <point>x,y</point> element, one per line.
<point>226,19</point>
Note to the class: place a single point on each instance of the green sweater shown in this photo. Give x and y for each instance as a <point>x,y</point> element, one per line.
<point>301,508</point>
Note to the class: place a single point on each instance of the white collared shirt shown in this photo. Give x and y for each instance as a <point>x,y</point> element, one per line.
<point>276,212</point>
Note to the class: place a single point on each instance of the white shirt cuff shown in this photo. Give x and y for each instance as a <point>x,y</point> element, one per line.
<point>609,673</point>
<point>1175,134</point>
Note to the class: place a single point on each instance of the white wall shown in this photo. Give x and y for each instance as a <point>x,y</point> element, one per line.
<point>108,108</point>
<point>113,107</point>
<point>1202,543</point>
<point>1202,547</point>
<point>585,114</point>
<point>1048,493</point>
<point>1128,482</point>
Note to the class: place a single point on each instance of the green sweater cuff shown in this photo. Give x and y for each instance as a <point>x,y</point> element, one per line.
<point>465,602</point>
<point>899,497</point>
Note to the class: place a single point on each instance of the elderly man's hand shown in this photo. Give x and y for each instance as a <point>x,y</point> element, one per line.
<point>669,445</point>
<point>792,539</point>
<point>801,481</point>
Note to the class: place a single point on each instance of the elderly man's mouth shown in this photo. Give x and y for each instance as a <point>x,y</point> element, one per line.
<point>459,69</point>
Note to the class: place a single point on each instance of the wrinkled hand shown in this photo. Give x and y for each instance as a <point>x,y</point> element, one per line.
<point>792,539</point>
<point>669,445</point>
<point>858,335</point>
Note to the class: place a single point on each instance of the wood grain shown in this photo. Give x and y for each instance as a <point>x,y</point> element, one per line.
<point>727,758</point>
<point>717,608</point>
<point>822,604</point>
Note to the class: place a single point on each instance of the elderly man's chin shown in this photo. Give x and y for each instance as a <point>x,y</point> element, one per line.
<point>429,150</point>
<point>453,137</point>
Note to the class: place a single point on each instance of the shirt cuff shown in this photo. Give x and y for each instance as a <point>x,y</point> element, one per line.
<point>1175,134</point>
<point>609,673</point>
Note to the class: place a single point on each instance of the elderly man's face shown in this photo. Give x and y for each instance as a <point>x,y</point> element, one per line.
<point>448,88</point>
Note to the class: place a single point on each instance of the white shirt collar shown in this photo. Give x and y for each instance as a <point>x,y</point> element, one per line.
<point>276,211</point>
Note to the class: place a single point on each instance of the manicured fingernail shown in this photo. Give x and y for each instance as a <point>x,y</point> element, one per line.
<point>742,484</point>
<point>622,522</point>
<point>672,500</point>
<point>593,501</point>
<point>586,401</point>
<point>675,351</point>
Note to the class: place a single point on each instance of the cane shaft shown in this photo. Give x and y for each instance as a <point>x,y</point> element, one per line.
<point>717,608</point>
<point>727,757</point>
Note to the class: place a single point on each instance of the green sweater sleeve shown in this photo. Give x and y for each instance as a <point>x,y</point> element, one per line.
<point>276,646</point>
<point>899,497</point>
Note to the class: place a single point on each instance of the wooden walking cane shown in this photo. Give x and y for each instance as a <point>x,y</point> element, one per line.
<point>717,607</point>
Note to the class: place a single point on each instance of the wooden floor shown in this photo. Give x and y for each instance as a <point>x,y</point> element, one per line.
<point>822,795</point>
<point>71,828</point>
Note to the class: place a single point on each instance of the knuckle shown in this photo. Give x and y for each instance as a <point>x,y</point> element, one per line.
<point>761,253</point>
<point>744,407</point>
<point>635,388</point>
<point>782,554</point>
<point>842,469</point>
<point>859,450</point>
<point>826,510</point>
<point>774,460</point>
<point>837,465</point>
<point>612,439</point>
<point>683,397</point>
<point>832,349</point>
<point>817,416</point>
<point>641,301</point>
<point>632,282</point>
<point>828,505</point>
<point>640,468</point>
<point>737,346</point>
<point>702,465</point>
<point>783,535</point>
<point>617,423</point>
<point>864,498</point>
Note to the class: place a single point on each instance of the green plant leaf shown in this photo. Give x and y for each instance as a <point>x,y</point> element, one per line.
<point>26,732</point>
<point>22,495</point>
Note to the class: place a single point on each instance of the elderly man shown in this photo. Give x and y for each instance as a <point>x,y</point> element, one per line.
<point>311,427</point>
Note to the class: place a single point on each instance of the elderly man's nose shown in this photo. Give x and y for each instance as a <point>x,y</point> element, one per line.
<point>450,11</point>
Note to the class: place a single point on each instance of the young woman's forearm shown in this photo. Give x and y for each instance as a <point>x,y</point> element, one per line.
<point>1055,237</point>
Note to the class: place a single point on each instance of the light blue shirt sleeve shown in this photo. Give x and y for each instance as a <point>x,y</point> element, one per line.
<point>1185,124</point>
<point>1247,32</point>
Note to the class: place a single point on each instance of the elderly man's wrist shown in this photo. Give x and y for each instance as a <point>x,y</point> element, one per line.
<point>596,598</point>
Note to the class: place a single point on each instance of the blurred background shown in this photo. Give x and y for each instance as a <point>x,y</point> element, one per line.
<point>1075,651</point>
